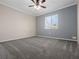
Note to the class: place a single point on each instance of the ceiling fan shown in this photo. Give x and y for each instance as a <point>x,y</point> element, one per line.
<point>38,4</point>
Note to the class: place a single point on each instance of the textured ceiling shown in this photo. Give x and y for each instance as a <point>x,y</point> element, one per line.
<point>22,5</point>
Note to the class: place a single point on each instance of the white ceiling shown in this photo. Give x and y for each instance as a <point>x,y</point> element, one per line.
<point>22,5</point>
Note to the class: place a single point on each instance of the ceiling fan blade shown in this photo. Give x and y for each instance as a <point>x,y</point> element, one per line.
<point>37,2</point>
<point>43,6</point>
<point>43,1</point>
<point>31,5</point>
<point>33,1</point>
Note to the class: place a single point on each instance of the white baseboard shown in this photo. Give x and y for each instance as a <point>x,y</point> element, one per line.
<point>56,38</point>
<point>38,36</point>
<point>1,41</point>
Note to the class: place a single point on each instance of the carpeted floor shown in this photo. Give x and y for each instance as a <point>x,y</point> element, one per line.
<point>39,48</point>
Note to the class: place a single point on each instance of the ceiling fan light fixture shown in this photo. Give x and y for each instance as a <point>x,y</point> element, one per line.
<point>37,7</point>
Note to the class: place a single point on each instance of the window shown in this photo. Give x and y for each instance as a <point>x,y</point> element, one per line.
<point>51,22</point>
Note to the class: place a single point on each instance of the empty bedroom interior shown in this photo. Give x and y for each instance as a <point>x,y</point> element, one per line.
<point>39,29</point>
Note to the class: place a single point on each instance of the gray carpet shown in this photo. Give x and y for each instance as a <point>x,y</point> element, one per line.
<point>39,48</point>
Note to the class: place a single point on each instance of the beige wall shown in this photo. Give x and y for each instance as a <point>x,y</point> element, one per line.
<point>15,25</point>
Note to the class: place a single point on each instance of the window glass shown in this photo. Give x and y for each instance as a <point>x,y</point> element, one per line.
<point>51,22</point>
